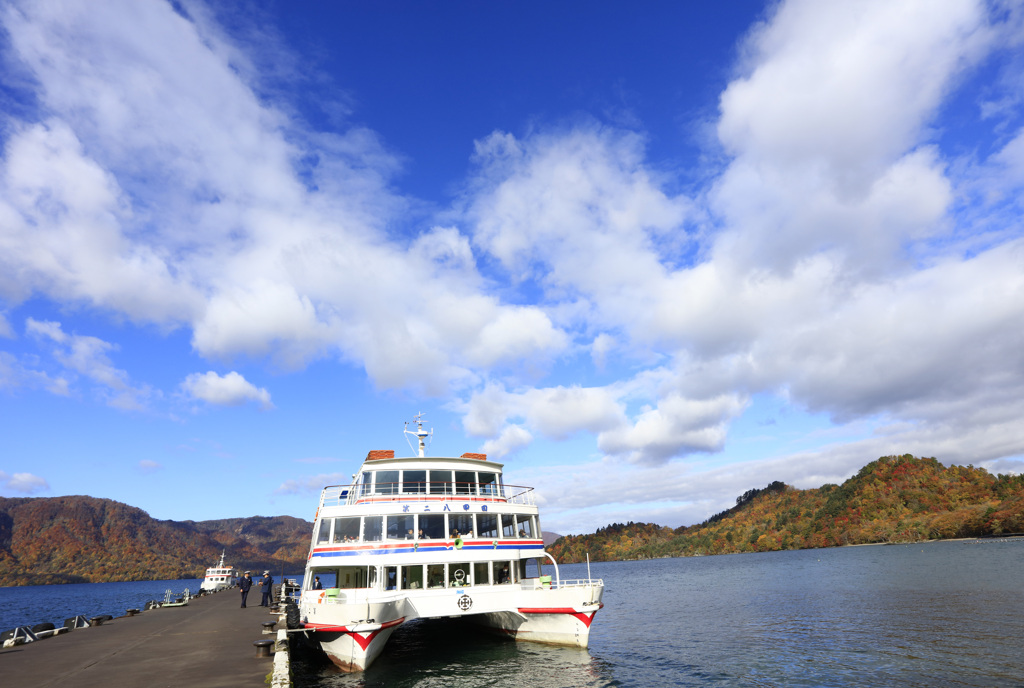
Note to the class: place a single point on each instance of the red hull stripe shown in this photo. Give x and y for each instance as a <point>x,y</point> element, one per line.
<point>362,639</point>
<point>585,617</point>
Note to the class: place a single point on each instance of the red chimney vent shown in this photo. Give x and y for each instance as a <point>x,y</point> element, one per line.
<point>479,457</point>
<point>380,454</point>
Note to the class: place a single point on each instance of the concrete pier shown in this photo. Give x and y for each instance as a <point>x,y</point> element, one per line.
<point>207,643</point>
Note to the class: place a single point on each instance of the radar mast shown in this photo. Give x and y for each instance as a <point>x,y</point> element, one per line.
<point>420,434</point>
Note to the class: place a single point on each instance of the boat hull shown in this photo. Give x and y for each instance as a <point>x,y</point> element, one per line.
<point>353,633</point>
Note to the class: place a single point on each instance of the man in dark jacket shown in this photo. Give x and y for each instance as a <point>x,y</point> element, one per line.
<point>245,583</point>
<point>268,587</point>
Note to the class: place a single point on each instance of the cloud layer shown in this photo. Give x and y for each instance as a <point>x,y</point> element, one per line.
<point>843,250</point>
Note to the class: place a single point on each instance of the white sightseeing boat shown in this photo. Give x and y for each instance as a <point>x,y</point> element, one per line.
<point>433,537</point>
<point>219,577</point>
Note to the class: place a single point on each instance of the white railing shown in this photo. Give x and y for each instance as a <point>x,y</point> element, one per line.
<point>347,495</point>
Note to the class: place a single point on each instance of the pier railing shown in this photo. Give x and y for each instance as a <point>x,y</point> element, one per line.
<point>347,495</point>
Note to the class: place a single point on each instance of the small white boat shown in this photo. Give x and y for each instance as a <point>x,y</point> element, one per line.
<point>219,577</point>
<point>433,537</point>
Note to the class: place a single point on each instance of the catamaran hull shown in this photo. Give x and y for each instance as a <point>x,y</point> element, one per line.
<point>355,650</point>
<point>551,626</point>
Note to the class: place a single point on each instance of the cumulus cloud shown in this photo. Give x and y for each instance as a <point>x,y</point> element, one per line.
<point>195,202</point>
<point>24,483</point>
<point>836,252</point>
<point>227,390</point>
<point>511,439</point>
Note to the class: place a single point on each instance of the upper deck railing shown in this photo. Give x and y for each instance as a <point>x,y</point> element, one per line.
<point>349,495</point>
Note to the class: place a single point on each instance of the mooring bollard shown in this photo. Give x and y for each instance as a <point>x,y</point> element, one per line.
<point>263,647</point>
<point>96,621</point>
<point>132,612</point>
<point>268,626</point>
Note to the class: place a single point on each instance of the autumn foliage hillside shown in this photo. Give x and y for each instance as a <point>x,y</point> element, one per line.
<point>84,539</point>
<point>893,499</point>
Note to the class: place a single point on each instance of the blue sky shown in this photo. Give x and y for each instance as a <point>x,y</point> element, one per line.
<point>648,256</point>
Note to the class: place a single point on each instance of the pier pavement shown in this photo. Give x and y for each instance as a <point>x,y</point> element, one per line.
<point>208,644</point>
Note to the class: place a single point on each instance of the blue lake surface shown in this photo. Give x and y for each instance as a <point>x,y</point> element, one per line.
<point>935,614</point>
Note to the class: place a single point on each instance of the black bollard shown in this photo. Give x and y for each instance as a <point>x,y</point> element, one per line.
<point>263,647</point>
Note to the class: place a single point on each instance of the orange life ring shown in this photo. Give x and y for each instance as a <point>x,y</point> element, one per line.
<point>320,600</point>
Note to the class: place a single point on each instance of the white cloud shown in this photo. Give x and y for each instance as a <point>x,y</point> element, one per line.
<point>147,466</point>
<point>87,356</point>
<point>15,374</point>
<point>677,426</point>
<point>228,390</point>
<point>840,256</point>
<point>512,439</point>
<point>164,186</point>
<point>24,483</point>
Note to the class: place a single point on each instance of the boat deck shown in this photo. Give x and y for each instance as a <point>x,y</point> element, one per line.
<point>207,643</point>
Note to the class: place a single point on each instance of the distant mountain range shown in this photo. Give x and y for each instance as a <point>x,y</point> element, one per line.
<point>895,499</point>
<point>86,540</point>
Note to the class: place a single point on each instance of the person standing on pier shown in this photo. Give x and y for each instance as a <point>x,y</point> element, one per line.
<point>245,583</point>
<point>268,587</point>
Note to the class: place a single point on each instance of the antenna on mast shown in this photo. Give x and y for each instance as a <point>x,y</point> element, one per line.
<point>419,433</point>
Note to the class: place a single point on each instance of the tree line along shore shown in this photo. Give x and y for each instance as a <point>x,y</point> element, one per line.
<point>894,499</point>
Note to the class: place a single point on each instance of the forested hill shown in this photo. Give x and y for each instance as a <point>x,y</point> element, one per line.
<point>893,499</point>
<point>87,540</point>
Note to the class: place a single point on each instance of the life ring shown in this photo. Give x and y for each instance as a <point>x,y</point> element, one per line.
<point>320,599</point>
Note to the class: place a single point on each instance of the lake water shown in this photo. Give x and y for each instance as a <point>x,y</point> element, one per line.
<point>936,614</point>
<point>32,604</point>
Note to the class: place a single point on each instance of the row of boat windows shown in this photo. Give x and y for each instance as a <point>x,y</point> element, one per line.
<point>425,527</point>
<point>425,576</point>
<point>430,482</point>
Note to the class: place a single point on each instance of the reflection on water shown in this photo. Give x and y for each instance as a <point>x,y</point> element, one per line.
<point>937,614</point>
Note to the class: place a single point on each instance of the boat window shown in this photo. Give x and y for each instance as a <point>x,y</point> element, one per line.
<point>346,529</point>
<point>328,578</point>
<point>487,525</point>
<point>387,482</point>
<point>481,573</point>
<point>366,484</point>
<point>501,572</point>
<point>489,484</point>
<point>525,526</point>
<point>432,526</point>
<point>461,525</point>
<point>412,577</point>
<point>529,568</point>
<point>401,527</point>
<point>414,482</point>
<point>354,577</point>
<point>508,525</point>
<point>324,534</point>
<point>440,482</point>
<point>465,482</point>
<point>390,577</point>
<point>373,528</point>
<point>435,575</point>
<point>458,575</point>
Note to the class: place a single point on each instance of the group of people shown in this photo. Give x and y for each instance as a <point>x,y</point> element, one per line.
<point>267,582</point>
